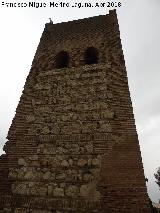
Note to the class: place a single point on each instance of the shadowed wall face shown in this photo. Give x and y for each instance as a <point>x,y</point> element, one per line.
<point>73,145</point>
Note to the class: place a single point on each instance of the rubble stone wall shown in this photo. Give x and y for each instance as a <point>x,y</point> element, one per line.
<point>73,145</point>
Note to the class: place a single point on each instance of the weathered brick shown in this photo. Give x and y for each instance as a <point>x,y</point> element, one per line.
<point>73,145</point>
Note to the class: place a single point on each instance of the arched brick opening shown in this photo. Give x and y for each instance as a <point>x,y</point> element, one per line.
<point>91,55</point>
<point>62,60</point>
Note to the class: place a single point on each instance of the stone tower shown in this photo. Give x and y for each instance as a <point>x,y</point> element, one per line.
<point>73,145</point>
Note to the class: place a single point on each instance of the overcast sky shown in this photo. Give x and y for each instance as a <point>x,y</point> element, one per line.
<point>139,20</point>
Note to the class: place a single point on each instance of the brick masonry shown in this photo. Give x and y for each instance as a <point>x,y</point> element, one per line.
<point>73,145</point>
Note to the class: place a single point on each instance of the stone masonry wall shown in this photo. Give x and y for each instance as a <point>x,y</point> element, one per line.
<point>73,145</point>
